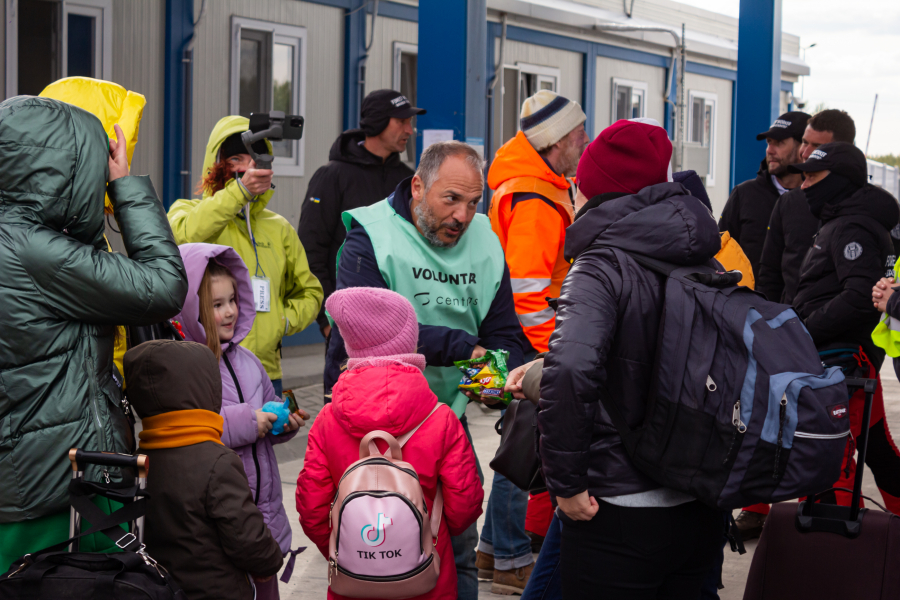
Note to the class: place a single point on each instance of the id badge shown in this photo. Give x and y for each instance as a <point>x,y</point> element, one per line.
<point>261,293</point>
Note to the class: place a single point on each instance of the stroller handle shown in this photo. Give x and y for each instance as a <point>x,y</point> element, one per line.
<point>138,461</point>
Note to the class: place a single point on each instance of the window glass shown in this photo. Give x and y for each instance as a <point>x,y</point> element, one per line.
<point>254,73</point>
<point>622,95</point>
<point>637,104</point>
<point>707,122</point>
<point>697,120</point>
<point>80,45</point>
<point>282,90</point>
<point>39,45</point>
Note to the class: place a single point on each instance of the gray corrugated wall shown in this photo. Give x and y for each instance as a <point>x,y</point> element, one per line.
<point>324,87</point>
<point>380,64</point>
<point>3,50</point>
<point>137,62</point>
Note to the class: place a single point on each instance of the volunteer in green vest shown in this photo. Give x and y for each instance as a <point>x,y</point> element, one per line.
<point>427,243</point>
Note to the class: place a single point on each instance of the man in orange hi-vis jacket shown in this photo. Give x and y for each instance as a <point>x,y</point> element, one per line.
<point>532,206</point>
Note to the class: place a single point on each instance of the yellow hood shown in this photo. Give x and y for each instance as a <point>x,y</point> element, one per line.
<point>108,101</point>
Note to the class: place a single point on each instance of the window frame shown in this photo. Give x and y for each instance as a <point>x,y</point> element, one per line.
<point>541,72</point>
<point>399,49</point>
<point>279,33</point>
<point>101,9</point>
<point>707,97</point>
<point>633,85</point>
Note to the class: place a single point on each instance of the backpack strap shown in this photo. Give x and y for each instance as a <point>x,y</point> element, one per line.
<point>405,437</point>
<point>437,508</point>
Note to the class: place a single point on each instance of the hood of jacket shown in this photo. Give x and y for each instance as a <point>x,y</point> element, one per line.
<point>518,158</point>
<point>392,398</point>
<point>662,221</point>
<point>168,375</point>
<point>348,148</point>
<point>869,201</point>
<point>55,167</point>
<point>225,128</point>
<point>196,258</point>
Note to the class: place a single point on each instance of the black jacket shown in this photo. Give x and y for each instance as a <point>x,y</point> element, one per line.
<point>202,524</point>
<point>353,177</point>
<point>851,252</point>
<point>791,231</point>
<point>606,333</point>
<point>746,214</point>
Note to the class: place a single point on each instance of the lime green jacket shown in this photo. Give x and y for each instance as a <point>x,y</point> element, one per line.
<point>219,219</point>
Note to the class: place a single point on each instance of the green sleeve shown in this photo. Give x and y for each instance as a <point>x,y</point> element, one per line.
<point>83,283</point>
<point>202,220</point>
<point>303,293</point>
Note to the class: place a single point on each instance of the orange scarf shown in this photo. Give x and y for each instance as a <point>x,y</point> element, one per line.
<point>181,428</point>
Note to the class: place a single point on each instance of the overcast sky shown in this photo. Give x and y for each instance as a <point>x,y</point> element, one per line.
<point>857,55</point>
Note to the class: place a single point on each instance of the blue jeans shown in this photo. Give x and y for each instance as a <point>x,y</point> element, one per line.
<point>545,582</point>
<point>464,544</point>
<point>276,383</point>
<point>504,535</point>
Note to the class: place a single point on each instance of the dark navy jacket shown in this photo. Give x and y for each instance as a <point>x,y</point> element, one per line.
<point>440,345</point>
<point>606,333</point>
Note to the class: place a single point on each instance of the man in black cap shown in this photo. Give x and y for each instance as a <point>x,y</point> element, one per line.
<point>852,251</point>
<point>364,166</point>
<point>792,226</point>
<point>746,214</point>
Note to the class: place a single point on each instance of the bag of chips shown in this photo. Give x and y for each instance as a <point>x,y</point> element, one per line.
<point>486,376</point>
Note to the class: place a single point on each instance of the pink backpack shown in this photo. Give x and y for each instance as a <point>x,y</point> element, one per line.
<point>381,543</point>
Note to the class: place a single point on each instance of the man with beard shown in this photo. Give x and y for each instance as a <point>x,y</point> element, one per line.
<point>746,214</point>
<point>792,226</point>
<point>532,206</point>
<point>427,243</point>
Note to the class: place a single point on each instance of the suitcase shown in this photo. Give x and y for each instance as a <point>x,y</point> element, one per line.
<point>823,551</point>
<point>62,572</point>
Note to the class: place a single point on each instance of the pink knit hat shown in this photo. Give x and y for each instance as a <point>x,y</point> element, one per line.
<point>375,322</point>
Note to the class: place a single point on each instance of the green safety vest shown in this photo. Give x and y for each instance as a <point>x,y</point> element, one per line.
<point>887,332</point>
<point>450,287</point>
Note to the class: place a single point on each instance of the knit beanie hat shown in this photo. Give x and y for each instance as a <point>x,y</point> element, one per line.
<point>547,118</point>
<point>374,322</point>
<point>626,157</point>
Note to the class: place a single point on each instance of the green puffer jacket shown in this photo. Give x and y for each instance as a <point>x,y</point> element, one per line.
<point>62,294</point>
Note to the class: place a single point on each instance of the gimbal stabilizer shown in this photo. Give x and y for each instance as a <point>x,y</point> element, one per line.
<point>274,126</point>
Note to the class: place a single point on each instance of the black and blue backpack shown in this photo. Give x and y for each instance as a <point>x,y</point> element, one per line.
<point>741,409</point>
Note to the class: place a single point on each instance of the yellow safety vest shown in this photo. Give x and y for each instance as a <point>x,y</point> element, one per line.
<point>887,332</point>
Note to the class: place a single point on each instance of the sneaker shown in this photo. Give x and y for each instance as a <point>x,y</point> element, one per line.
<point>511,582</point>
<point>750,524</point>
<point>537,541</point>
<point>485,564</point>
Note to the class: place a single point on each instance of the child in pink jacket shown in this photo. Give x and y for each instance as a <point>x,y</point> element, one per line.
<point>384,388</point>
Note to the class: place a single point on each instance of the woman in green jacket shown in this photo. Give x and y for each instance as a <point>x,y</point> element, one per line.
<point>62,293</point>
<point>287,295</point>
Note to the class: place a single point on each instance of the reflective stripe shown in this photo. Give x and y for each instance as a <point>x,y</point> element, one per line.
<point>892,323</point>
<point>522,286</point>
<point>537,318</point>
<point>821,436</point>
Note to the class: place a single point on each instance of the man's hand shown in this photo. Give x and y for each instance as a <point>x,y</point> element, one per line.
<point>257,181</point>
<point>881,292</point>
<point>326,331</point>
<point>580,507</point>
<point>514,381</point>
<point>118,156</point>
<point>489,401</point>
<point>478,352</point>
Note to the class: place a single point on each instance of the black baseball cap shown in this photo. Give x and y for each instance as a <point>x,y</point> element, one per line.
<point>389,103</point>
<point>838,157</point>
<point>789,125</point>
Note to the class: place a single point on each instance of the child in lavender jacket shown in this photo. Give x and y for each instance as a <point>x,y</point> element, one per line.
<point>220,299</point>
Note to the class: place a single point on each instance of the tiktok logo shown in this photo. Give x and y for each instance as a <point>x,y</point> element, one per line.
<point>377,530</point>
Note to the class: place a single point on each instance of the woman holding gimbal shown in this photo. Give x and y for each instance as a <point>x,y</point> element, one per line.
<point>232,212</point>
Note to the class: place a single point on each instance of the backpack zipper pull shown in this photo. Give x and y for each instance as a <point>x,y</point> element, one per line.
<point>710,384</point>
<point>736,418</point>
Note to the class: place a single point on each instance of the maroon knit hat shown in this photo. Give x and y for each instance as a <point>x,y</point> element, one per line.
<point>626,157</point>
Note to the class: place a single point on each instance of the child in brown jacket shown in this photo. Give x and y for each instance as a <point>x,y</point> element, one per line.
<point>201,522</point>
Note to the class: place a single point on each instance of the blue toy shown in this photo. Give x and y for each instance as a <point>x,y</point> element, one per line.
<point>283,412</point>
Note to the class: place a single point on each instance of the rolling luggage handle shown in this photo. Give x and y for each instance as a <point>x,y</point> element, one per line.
<point>837,519</point>
<point>82,457</point>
